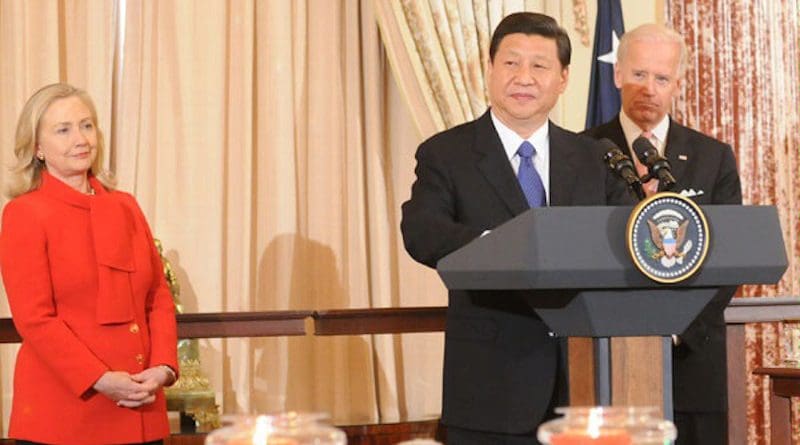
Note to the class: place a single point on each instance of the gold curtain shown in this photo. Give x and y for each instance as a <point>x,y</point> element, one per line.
<point>269,147</point>
<point>743,87</point>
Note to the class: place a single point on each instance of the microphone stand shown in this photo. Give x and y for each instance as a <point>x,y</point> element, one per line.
<point>637,189</point>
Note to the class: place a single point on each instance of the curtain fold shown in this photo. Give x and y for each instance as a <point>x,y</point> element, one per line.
<point>743,87</point>
<point>439,50</point>
<point>407,66</point>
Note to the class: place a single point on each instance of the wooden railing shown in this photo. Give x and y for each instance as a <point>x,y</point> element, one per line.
<point>432,319</point>
<point>294,323</point>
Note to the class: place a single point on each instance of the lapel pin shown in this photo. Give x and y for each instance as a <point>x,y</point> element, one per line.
<point>683,157</point>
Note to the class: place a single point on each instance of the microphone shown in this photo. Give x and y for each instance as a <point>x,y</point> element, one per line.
<point>657,165</point>
<point>622,165</point>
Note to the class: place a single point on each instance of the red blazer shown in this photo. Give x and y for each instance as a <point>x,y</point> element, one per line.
<point>87,294</point>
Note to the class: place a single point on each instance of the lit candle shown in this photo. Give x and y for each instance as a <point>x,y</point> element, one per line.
<point>606,438</point>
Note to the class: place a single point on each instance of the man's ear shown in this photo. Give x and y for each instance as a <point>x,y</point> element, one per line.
<point>564,79</point>
<point>617,76</point>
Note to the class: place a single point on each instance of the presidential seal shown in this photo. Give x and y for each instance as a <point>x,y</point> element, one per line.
<point>667,237</point>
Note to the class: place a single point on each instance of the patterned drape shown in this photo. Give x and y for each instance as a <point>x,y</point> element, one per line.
<point>439,50</point>
<point>743,87</point>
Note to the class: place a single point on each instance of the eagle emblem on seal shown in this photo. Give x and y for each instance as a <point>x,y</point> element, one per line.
<point>668,238</point>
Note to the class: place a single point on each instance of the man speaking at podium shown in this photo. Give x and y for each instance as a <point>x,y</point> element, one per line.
<point>648,73</point>
<point>503,371</point>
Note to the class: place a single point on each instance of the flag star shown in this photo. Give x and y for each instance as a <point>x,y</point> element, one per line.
<point>611,57</point>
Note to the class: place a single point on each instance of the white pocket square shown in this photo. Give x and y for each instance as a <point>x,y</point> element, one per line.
<point>691,192</point>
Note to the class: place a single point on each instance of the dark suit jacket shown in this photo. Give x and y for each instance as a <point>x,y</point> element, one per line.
<point>500,366</point>
<point>702,163</point>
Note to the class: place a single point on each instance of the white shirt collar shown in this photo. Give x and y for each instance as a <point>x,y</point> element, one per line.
<point>540,139</point>
<point>511,140</point>
<point>632,131</point>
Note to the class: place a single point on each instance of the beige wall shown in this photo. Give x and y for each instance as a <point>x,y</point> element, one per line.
<point>571,111</point>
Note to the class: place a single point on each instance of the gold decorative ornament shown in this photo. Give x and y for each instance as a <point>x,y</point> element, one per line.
<point>191,394</point>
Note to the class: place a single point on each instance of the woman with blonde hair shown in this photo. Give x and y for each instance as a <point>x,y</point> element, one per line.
<point>84,285</point>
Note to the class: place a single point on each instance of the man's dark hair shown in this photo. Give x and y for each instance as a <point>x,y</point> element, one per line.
<point>532,23</point>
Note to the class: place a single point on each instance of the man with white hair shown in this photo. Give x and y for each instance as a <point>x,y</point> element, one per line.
<point>648,73</point>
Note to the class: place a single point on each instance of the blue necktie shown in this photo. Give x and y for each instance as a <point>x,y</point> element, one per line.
<point>529,178</point>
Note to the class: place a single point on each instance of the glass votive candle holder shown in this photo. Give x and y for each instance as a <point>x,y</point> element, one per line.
<point>291,428</point>
<point>603,425</point>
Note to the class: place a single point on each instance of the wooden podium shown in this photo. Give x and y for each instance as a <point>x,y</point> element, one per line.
<point>582,283</point>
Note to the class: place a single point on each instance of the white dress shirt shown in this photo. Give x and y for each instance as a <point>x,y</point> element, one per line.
<point>540,139</point>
